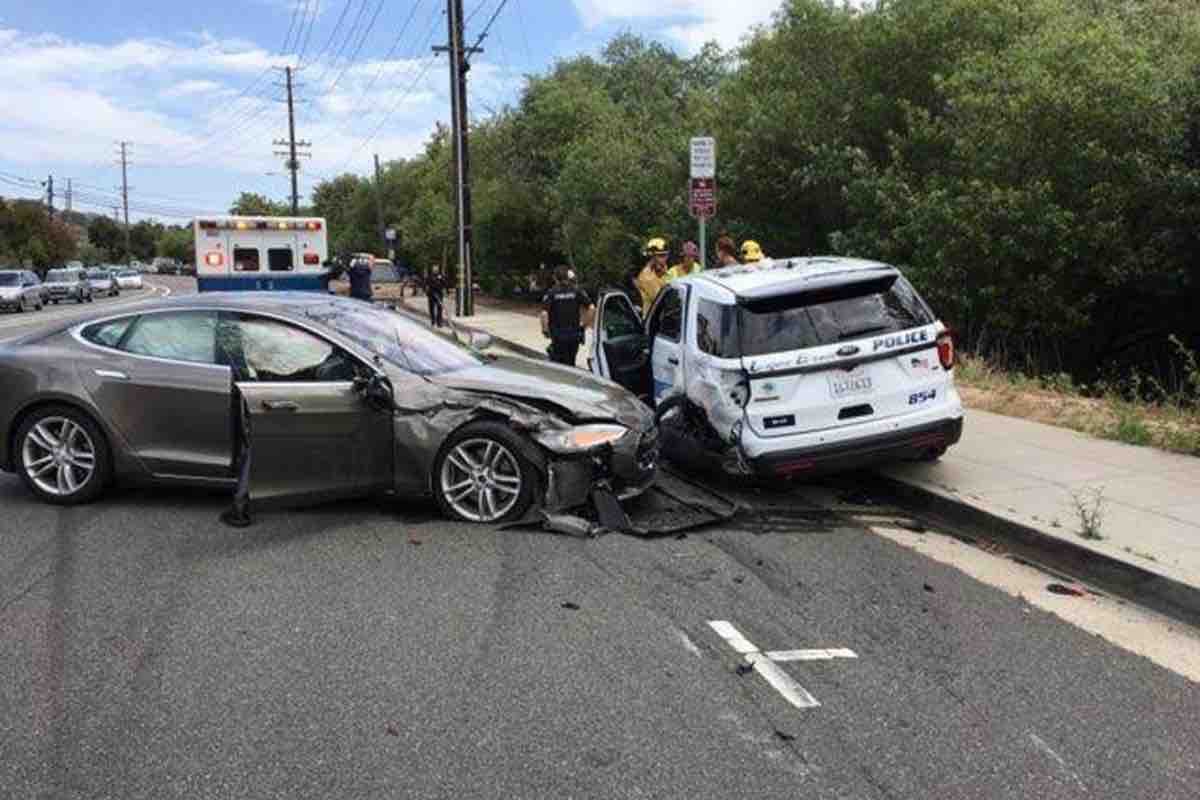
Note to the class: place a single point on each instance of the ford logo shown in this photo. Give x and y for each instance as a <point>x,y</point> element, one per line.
<point>848,350</point>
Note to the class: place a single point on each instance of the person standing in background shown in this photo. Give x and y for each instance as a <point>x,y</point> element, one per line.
<point>435,289</point>
<point>360,278</point>
<point>652,278</point>
<point>726,252</point>
<point>689,265</point>
<point>565,310</point>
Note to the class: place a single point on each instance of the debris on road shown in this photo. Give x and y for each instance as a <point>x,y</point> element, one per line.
<point>392,730</point>
<point>1067,590</point>
<point>414,541</point>
<point>928,588</point>
<point>569,606</point>
<point>744,669</point>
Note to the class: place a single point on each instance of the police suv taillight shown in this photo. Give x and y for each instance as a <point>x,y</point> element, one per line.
<point>945,347</point>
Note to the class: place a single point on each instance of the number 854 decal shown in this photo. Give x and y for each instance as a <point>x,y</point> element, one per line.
<point>922,397</point>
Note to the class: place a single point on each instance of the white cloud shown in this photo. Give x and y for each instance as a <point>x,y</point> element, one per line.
<point>196,130</point>
<point>691,23</point>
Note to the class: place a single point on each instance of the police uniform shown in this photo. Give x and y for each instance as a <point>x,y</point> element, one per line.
<point>563,305</point>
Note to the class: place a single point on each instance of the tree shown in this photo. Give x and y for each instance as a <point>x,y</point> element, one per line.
<point>107,235</point>
<point>250,204</point>
<point>177,243</point>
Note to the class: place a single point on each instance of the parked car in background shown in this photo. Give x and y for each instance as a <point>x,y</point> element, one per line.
<point>104,282</point>
<point>68,283</point>
<point>129,279</point>
<point>20,291</point>
<point>166,266</point>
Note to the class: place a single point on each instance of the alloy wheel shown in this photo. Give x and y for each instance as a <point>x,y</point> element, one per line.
<point>481,480</point>
<point>59,456</point>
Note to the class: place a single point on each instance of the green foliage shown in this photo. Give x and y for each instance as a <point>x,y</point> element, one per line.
<point>178,243</point>
<point>1033,165</point>
<point>250,204</point>
<point>29,236</point>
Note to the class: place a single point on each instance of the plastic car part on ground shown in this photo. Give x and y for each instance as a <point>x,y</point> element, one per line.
<point>674,505</point>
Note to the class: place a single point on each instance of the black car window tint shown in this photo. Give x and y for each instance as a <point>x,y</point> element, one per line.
<point>107,334</point>
<point>8,279</point>
<point>275,351</point>
<point>279,259</point>
<point>185,336</point>
<point>714,333</point>
<point>670,317</point>
<point>620,319</point>
<point>245,259</point>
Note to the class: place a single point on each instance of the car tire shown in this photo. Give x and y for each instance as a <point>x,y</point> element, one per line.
<point>74,476</point>
<point>482,475</point>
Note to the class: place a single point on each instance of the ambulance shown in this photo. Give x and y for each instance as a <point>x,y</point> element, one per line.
<point>261,254</point>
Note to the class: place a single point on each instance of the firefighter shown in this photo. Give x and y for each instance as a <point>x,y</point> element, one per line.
<point>689,265</point>
<point>751,252</point>
<point>652,278</point>
<point>565,310</point>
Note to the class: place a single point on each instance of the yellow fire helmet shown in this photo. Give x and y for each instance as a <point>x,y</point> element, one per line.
<point>656,246</point>
<point>751,251</point>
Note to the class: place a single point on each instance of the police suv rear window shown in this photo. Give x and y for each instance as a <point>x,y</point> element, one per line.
<point>827,316</point>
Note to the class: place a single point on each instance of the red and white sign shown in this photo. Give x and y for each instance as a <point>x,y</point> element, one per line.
<point>702,197</point>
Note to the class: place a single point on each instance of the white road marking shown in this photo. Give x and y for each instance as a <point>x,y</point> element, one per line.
<point>783,683</point>
<point>1040,744</point>
<point>811,655</point>
<point>688,644</point>
<point>764,663</point>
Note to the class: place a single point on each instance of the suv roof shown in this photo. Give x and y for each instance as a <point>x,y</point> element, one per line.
<point>783,276</point>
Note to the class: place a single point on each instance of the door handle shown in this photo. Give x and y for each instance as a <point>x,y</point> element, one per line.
<point>672,360</point>
<point>280,405</point>
<point>111,373</point>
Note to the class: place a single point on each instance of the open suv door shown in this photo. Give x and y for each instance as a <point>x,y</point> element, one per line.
<point>620,344</point>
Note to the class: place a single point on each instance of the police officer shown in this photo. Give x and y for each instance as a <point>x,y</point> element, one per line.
<point>435,288</point>
<point>565,309</point>
<point>360,278</point>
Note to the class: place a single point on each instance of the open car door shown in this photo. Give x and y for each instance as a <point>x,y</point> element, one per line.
<point>317,423</point>
<point>620,346</point>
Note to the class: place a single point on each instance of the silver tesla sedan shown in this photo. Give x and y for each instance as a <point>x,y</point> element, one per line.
<point>308,397</point>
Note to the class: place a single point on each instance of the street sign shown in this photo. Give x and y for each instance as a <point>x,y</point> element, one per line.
<point>704,157</point>
<point>702,198</point>
<point>390,233</point>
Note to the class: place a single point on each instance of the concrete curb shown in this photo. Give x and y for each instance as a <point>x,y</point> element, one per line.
<point>1168,596</point>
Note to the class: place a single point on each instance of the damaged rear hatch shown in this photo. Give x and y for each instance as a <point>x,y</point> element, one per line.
<point>845,350</point>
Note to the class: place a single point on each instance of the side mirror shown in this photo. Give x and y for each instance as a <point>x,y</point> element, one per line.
<point>375,390</point>
<point>481,341</point>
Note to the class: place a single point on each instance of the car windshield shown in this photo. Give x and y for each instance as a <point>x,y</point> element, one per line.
<point>97,273</point>
<point>58,275</point>
<point>9,279</point>
<point>821,317</point>
<point>396,339</point>
<point>128,273</point>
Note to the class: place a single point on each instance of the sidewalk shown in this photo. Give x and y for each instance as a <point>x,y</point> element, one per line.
<point>1024,473</point>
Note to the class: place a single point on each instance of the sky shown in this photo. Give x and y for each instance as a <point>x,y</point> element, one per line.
<point>195,88</point>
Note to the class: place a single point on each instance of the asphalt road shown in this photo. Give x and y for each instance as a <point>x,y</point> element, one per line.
<point>373,650</point>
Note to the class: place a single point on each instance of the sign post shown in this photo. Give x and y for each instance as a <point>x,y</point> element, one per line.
<point>390,234</point>
<point>702,193</point>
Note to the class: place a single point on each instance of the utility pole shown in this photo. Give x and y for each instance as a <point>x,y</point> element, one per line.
<point>379,205</point>
<point>125,192</point>
<point>68,194</point>
<point>465,301</point>
<point>293,157</point>
<point>49,184</point>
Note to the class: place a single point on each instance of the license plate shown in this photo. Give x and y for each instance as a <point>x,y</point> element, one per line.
<point>850,384</point>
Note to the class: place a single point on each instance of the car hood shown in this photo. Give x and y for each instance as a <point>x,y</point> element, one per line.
<point>580,394</point>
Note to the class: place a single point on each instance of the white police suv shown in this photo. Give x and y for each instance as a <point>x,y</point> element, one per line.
<point>791,367</point>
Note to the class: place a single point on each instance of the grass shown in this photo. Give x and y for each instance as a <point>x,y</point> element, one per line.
<point>1169,421</point>
<point>1090,510</point>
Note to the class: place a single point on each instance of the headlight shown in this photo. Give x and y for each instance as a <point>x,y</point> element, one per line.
<point>581,438</point>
